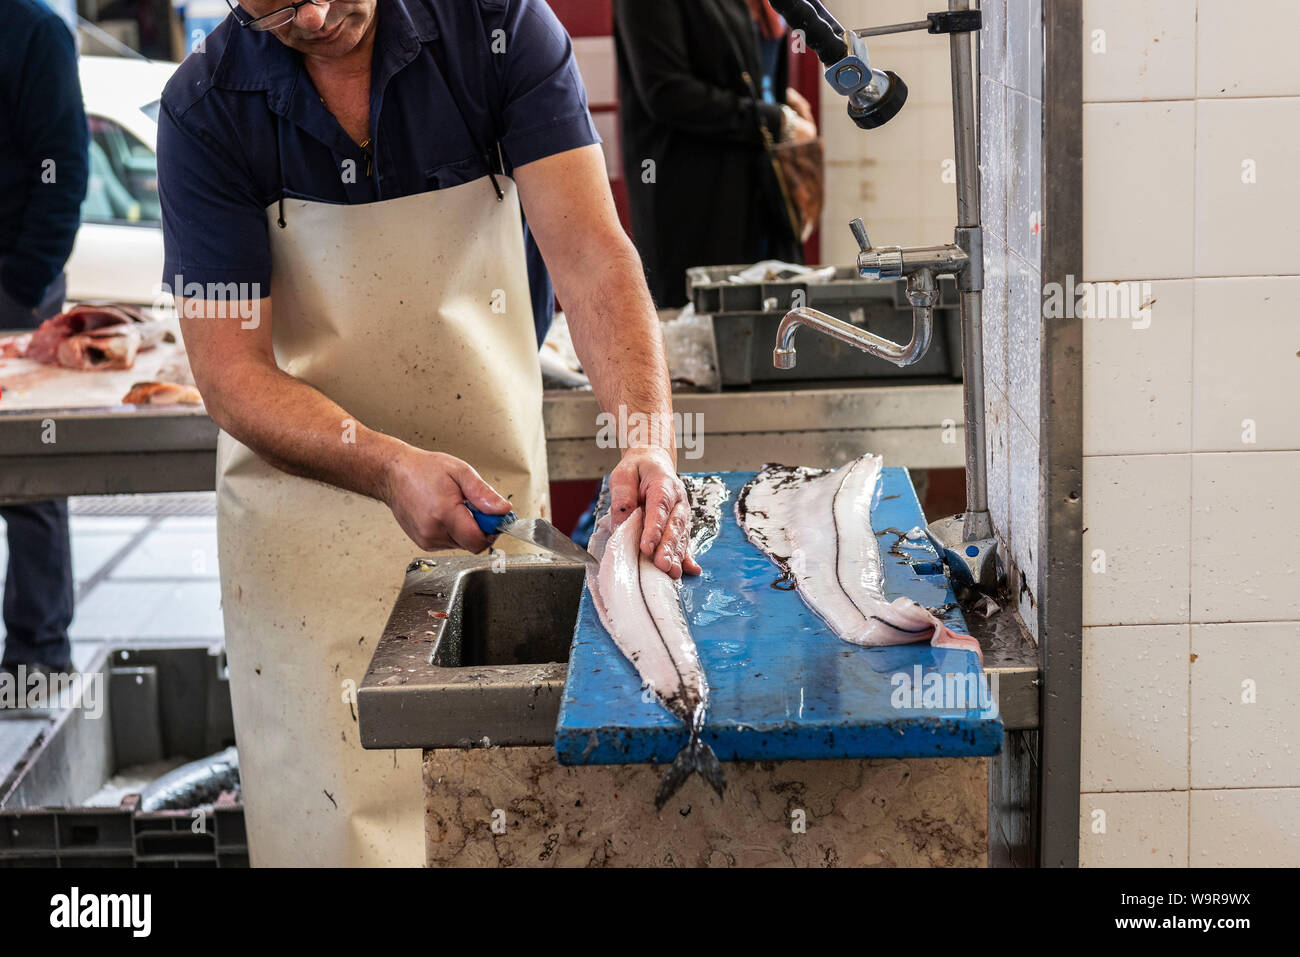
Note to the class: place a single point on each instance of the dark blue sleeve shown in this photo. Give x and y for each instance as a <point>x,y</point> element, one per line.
<point>51,124</point>
<point>214,223</point>
<point>544,104</point>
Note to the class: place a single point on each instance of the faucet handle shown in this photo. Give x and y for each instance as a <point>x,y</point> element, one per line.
<point>859,230</point>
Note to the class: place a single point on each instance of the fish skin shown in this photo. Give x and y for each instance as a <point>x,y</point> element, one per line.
<point>640,606</point>
<point>816,525</point>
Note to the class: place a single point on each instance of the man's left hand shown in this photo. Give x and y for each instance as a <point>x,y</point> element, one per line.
<point>647,477</point>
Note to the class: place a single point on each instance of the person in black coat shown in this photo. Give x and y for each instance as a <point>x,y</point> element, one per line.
<point>699,80</point>
<point>43,172</point>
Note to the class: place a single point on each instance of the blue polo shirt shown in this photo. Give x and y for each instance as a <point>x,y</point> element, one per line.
<point>241,126</point>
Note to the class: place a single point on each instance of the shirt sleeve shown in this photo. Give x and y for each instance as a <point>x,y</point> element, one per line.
<point>544,103</point>
<point>213,221</point>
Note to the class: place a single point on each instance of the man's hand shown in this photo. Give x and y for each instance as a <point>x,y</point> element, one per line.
<point>427,492</point>
<point>646,477</point>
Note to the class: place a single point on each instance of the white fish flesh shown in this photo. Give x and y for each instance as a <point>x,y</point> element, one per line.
<point>706,493</point>
<point>640,606</point>
<point>816,525</point>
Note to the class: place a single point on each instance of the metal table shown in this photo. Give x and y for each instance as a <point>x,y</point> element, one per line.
<point>128,450</point>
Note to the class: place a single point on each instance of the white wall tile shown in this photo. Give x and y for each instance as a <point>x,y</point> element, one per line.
<point>1025,46</point>
<point>993,40</point>
<point>1246,827</point>
<point>1244,521</point>
<point>1137,368</point>
<point>1024,340</point>
<point>1245,723</point>
<point>993,157</point>
<point>993,314</point>
<point>1025,186</point>
<point>997,450</point>
<point>1246,49</point>
<point>1246,370</point>
<point>1247,228</point>
<point>1144,51</point>
<point>895,182</point>
<point>1141,829</point>
<point>1025,497</point>
<point>1136,511</point>
<point>1137,190</point>
<point>1134,716</point>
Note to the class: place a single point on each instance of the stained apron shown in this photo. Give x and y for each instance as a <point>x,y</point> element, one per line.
<point>414,315</point>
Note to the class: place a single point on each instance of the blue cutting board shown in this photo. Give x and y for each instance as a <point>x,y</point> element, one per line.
<point>782,685</point>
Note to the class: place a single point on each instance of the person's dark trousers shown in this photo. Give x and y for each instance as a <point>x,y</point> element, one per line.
<point>39,584</point>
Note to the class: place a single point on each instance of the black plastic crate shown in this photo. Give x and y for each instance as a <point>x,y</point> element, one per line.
<point>162,703</point>
<point>746,316</point>
<point>123,837</point>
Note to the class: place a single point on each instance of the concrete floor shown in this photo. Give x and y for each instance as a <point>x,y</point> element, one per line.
<point>146,574</point>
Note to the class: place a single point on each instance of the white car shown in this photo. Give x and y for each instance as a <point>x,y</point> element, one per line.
<point>118,254</point>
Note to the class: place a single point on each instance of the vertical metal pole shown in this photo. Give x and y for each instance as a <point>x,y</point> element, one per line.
<point>977,523</point>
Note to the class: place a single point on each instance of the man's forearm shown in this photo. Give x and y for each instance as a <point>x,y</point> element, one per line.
<point>616,334</point>
<point>299,430</point>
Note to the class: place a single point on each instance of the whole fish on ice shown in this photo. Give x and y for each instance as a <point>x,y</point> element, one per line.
<point>640,606</point>
<point>816,525</point>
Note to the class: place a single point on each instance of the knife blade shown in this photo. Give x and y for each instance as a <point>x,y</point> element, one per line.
<point>536,531</point>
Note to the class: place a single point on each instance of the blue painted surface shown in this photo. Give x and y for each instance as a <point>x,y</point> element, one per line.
<point>782,685</point>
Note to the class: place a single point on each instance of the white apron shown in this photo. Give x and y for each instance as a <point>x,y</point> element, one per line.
<point>414,315</point>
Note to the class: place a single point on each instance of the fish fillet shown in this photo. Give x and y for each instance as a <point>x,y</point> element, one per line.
<point>640,606</point>
<point>816,525</point>
<point>162,393</point>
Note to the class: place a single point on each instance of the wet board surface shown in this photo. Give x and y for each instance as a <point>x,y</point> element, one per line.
<point>782,685</point>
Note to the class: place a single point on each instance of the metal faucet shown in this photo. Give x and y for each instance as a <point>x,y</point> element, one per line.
<point>965,540</point>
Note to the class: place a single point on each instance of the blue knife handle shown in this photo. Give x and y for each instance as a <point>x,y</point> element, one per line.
<point>491,524</point>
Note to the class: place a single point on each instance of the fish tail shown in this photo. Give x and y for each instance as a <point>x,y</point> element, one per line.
<point>695,756</point>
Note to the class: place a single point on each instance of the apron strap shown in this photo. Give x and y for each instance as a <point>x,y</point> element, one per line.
<point>478,144</point>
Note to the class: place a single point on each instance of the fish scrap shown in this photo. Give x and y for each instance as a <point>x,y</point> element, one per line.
<point>816,525</point>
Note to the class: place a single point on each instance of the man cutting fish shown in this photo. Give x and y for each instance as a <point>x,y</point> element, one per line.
<point>361,301</point>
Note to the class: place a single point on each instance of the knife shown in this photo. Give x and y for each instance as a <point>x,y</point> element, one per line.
<point>536,531</point>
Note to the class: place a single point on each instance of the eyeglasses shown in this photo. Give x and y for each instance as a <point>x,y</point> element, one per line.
<point>276,18</point>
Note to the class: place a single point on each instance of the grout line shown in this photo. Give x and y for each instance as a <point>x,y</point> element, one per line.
<point>1192,452</point>
<point>1198,624</point>
<point>1189,790</point>
<point>1191,413</point>
<point>1246,98</point>
<point>1253,275</point>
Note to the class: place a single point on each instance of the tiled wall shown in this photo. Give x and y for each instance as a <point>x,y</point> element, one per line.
<point>893,177</point>
<point>1011,111</point>
<point>1191,584</point>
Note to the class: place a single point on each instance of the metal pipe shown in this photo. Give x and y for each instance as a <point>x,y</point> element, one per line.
<point>963,104</point>
<point>895,262</point>
<point>783,356</point>
<point>977,524</point>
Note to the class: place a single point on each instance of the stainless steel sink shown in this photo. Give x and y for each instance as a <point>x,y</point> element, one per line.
<point>472,655</point>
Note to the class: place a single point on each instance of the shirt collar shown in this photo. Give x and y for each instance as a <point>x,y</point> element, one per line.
<point>257,60</point>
